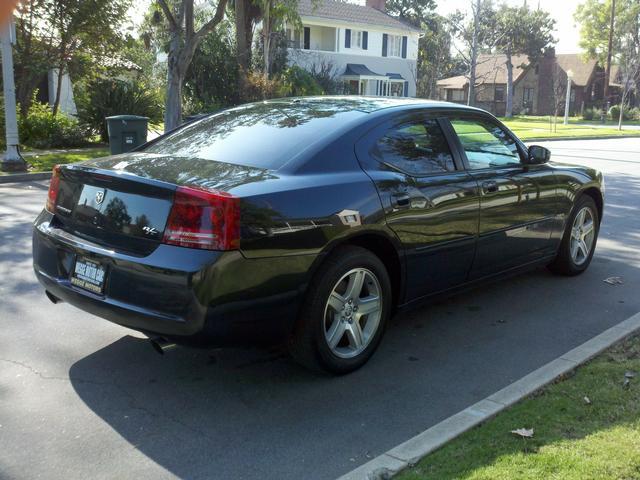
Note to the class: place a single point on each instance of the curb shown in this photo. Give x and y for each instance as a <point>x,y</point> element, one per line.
<point>24,177</point>
<point>410,452</point>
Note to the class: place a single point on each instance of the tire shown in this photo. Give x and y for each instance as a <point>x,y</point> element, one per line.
<point>567,262</point>
<point>332,334</point>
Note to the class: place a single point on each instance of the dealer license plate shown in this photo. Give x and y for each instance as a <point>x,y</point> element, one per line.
<point>88,275</point>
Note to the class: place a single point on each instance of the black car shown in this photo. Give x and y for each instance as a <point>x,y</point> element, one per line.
<point>309,221</point>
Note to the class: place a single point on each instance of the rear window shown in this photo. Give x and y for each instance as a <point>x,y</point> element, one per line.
<point>265,135</point>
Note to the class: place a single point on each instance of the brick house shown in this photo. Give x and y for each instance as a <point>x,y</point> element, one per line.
<point>537,87</point>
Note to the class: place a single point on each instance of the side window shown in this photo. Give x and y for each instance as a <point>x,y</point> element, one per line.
<point>417,148</point>
<point>486,144</point>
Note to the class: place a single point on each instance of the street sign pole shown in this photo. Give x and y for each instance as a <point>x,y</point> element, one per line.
<point>12,161</point>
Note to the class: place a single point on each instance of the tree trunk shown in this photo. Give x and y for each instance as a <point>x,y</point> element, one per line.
<point>56,103</point>
<point>242,47</point>
<point>266,43</point>
<point>173,102</point>
<point>607,73</point>
<point>509,107</point>
<point>474,56</point>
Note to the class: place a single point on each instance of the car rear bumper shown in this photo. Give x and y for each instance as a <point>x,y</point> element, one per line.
<point>190,296</point>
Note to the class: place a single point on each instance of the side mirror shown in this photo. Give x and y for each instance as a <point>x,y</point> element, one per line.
<point>538,155</point>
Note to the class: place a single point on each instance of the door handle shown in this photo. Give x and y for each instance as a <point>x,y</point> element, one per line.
<point>402,200</point>
<point>490,187</point>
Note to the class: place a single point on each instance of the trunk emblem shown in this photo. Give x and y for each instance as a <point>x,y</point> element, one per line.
<point>150,230</point>
<point>99,197</point>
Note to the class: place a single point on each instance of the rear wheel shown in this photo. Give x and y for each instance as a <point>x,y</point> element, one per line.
<point>343,317</point>
<point>579,240</point>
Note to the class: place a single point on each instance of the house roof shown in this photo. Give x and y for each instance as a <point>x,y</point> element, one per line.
<point>455,83</point>
<point>582,69</point>
<point>395,76</point>
<point>358,69</point>
<point>491,69</point>
<point>350,12</point>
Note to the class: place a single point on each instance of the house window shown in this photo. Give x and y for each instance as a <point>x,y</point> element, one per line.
<point>499,94</point>
<point>528,95</point>
<point>357,39</point>
<point>394,46</point>
<point>456,95</point>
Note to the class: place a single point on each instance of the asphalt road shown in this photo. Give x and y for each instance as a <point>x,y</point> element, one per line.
<point>82,398</point>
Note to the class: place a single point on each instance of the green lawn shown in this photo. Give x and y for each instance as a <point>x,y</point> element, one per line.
<point>574,439</point>
<point>539,128</point>
<point>44,163</point>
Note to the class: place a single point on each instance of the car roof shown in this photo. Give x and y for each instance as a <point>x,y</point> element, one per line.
<point>367,104</point>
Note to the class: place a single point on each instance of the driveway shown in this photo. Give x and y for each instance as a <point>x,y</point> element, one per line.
<point>82,398</point>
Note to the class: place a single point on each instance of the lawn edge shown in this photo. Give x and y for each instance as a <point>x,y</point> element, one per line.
<point>24,177</point>
<point>413,450</point>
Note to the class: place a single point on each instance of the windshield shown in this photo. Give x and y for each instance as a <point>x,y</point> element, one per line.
<point>264,135</point>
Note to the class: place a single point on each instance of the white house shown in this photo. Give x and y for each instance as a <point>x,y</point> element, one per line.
<point>371,51</point>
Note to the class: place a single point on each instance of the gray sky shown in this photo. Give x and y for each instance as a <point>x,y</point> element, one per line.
<point>562,11</point>
<point>567,34</point>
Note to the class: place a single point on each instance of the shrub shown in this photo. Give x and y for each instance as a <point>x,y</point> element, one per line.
<point>41,129</point>
<point>634,114</point>
<point>614,113</point>
<point>297,82</point>
<point>258,88</point>
<point>107,97</point>
<point>590,114</point>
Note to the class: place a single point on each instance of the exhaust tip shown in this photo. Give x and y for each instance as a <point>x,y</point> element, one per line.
<point>162,345</point>
<point>52,297</point>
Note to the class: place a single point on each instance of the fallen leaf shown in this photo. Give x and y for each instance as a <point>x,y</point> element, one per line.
<point>587,400</point>
<point>523,432</point>
<point>614,281</point>
<point>629,374</point>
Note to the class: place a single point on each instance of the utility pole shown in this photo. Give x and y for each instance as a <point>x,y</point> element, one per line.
<point>567,103</point>
<point>12,161</point>
<point>474,54</point>
<point>607,73</point>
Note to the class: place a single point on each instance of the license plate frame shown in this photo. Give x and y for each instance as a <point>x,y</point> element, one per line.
<point>89,275</point>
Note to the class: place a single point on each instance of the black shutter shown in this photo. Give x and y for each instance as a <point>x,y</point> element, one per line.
<point>307,38</point>
<point>404,47</point>
<point>406,89</point>
<point>365,40</point>
<point>385,39</point>
<point>347,38</point>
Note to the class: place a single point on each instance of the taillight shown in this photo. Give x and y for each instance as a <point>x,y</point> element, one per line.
<point>204,219</point>
<point>54,186</point>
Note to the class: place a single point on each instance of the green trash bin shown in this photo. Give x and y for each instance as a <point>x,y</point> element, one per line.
<point>126,132</point>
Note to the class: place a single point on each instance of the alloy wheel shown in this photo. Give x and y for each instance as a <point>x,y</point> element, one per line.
<point>352,313</point>
<point>583,234</point>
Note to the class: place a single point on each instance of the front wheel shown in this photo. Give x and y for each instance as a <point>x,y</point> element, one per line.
<point>579,240</point>
<point>343,317</point>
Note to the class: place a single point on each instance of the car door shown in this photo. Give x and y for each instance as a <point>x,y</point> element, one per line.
<point>517,200</point>
<point>430,201</point>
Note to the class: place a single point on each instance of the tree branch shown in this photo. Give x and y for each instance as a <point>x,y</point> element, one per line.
<point>211,24</point>
<point>169,15</point>
<point>188,18</point>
